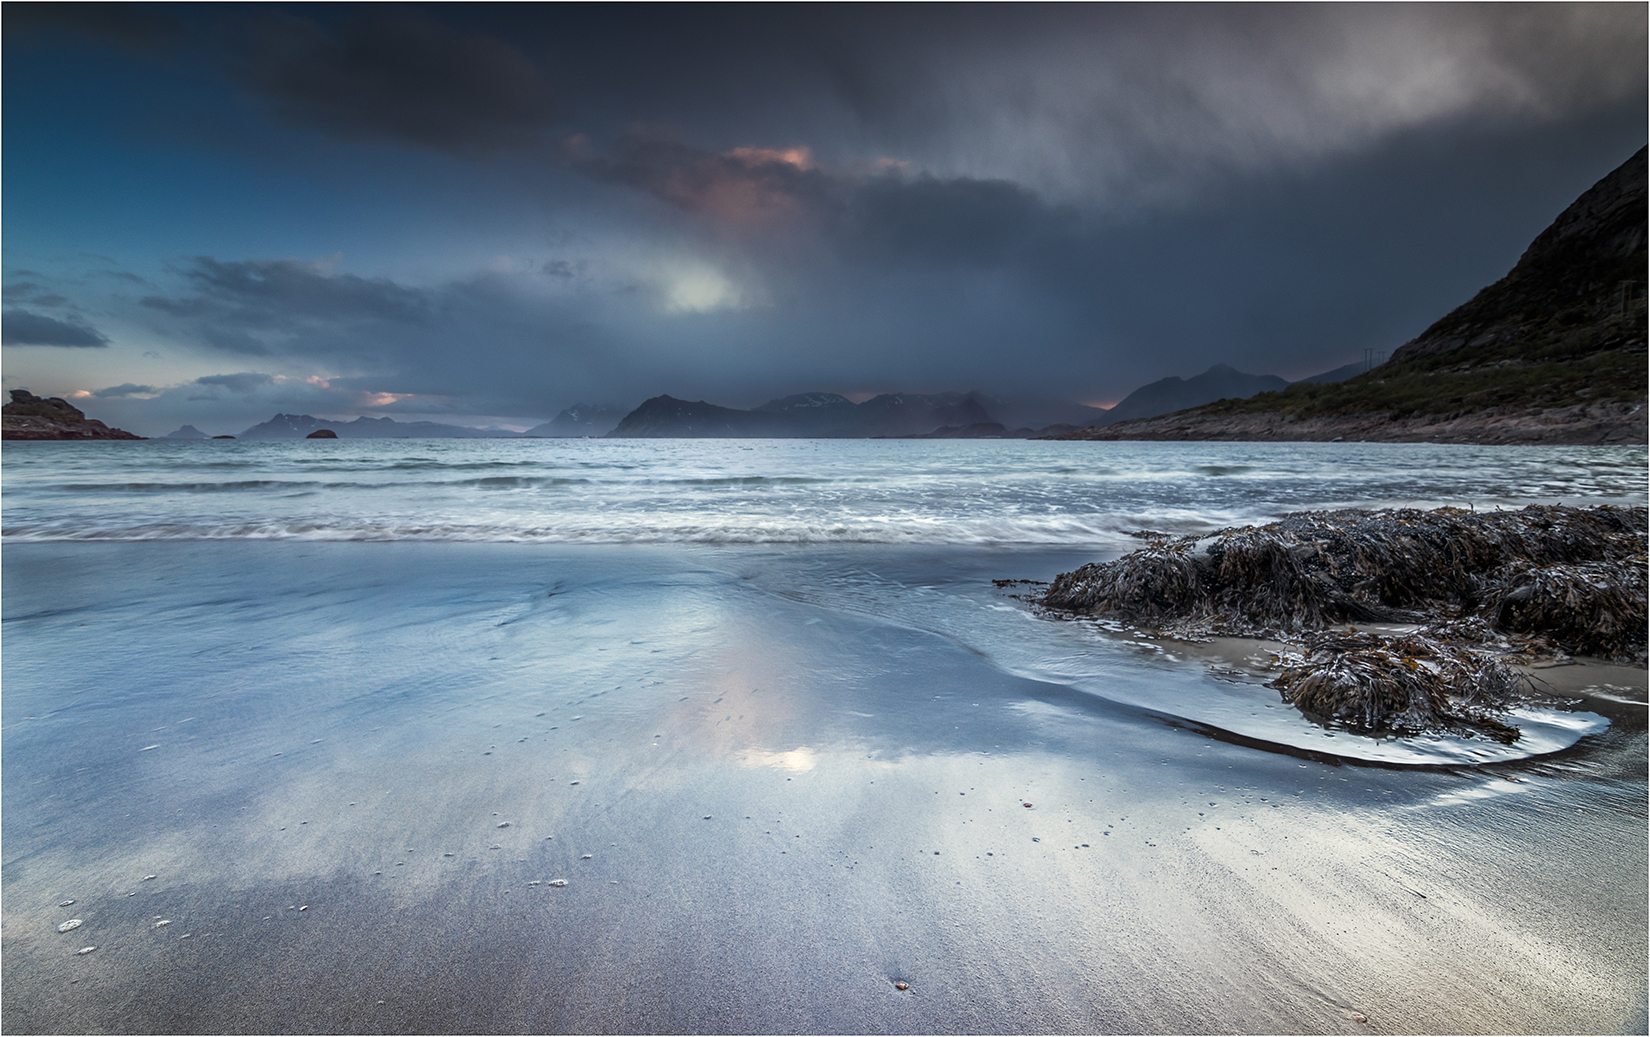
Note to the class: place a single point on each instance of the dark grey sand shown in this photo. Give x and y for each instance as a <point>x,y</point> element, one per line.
<point>767,811</point>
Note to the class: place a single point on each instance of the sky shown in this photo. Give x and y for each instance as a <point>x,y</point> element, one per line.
<point>483,214</point>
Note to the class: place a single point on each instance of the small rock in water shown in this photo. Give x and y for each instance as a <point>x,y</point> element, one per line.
<point>446,855</point>
<point>304,908</point>
<point>148,878</point>
<point>504,824</point>
<point>163,923</point>
<point>535,882</point>
<point>707,817</point>
<point>902,985</point>
<point>572,783</point>
<point>86,950</point>
<point>73,923</point>
<point>558,883</point>
<point>65,903</point>
<point>587,857</point>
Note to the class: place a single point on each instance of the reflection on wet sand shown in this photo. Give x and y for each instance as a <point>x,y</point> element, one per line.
<point>764,814</point>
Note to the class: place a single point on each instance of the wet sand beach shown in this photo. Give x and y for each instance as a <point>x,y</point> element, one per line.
<point>355,773</point>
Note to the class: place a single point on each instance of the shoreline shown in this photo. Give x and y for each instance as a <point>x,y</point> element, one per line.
<point>1608,424</point>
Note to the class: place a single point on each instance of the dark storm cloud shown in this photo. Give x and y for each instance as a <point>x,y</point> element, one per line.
<point>760,200</point>
<point>234,304</point>
<point>243,382</point>
<point>474,334</point>
<point>959,220</point>
<point>126,25</point>
<point>389,76</point>
<point>743,186</point>
<point>22,328</point>
<point>879,214</point>
<point>1124,105</point>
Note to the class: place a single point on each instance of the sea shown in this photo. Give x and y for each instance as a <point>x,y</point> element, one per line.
<point>303,734</point>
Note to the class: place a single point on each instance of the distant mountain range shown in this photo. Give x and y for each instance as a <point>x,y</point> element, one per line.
<point>820,415</point>
<point>815,415</point>
<point>949,415</point>
<point>581,419</point>
<point>298,426</point>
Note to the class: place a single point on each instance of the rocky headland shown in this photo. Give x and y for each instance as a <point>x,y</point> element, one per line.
<point>28,416</point>
<point>1554,352</point>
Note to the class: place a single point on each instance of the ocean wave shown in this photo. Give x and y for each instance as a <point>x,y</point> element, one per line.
<point>1108,532</point>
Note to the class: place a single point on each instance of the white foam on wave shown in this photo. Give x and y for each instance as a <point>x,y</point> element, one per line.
<point>1106,532</point>
<point>762,492</point>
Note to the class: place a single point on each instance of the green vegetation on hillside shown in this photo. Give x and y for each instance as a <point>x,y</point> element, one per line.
<point>1553,365</point>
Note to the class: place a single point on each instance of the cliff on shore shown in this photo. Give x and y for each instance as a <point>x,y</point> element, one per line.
<point>1554,352</point>
<point>28,416</point>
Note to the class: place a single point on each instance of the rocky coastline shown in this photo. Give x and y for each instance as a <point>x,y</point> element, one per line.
<point>28,416</point>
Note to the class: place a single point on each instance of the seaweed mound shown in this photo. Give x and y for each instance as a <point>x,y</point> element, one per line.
<point>1545,579</point>
<point>1405,685</point>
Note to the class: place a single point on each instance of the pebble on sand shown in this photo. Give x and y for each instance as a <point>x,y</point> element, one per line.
<point>163,923</point>
<point>65,903</point>
<point>73,923</point>
<point>86,950</point>
<point>902,985</point>
<point>558,883</point>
